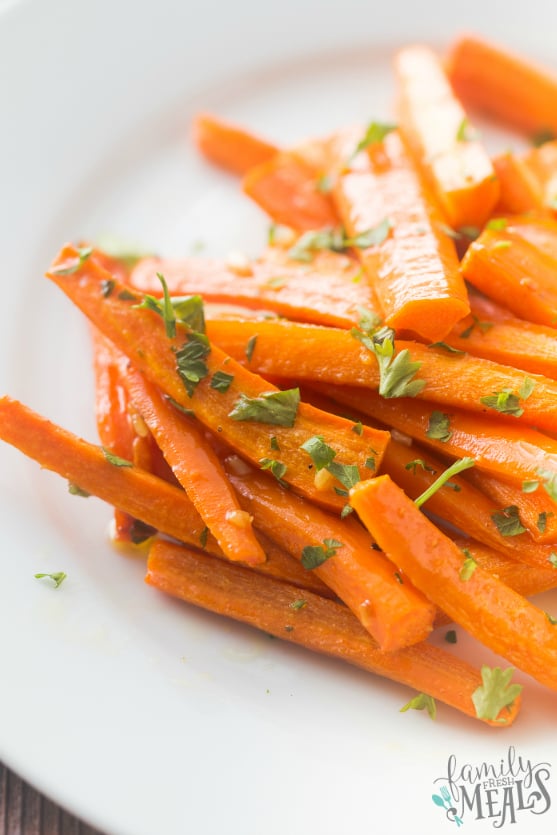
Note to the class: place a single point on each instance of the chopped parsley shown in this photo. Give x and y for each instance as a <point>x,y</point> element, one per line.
<point>495,693</point>
<point>483,327</point>
<point>298,604</point>
<point>274,444</point>
<point>541,523</point>
<point>203,536</point>
<point>508,521</point>
<point>395,372</point>
<point>250,346</point>
<point>468,566</point>
<point>421,702</point>
<point>369,320</point>
<point>315,555</point>
<point>115,459</point>
<point>320,453</point>
<point>446,347</point>
<point>221,381</point>
<point>419,462</point>
<point>278,408</point>
<point>57,577</point>
<point>438,427</point>
<point>508,403</point>
<point>498,224</point>
<point>277,468</point>
<point>375,132</point>
<point>76,490</point>
<point>454,469</point>
<point>552,559</point>
<point>530,486</point>
<point>358,428</point>
<point>347,474</point>
<point>450,636</point>
<point>82,255</point>
<point>190,361</point>
<point>336,240</point>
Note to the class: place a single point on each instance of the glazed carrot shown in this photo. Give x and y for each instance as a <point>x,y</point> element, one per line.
<point>414,270</point>
<point>512,452</point>
<point>536,228</point>
<point>514,273</point>
<point>391,611</point>
<point>537,511</point>
<point>286,187</point>
<point>495,334</point>
<point>444,144</point>
<point>240,407</point>
<point>508,87</point>
<point>519,189</point>
<point>327,291</point>
<point>331,355</point>
<point>228,145</point>
<point>198,470</point>
<point>313,622</point>
<point>488,609</point>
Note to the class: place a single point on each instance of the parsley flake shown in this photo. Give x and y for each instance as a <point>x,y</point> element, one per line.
<point>190,361</point>
<point>497,224</point>
<point>395,371</point>
<point>541,523</point>
<point>203,537</point>
<point>369,320</point>
<point>82,255</point>
<point>438,427</point>
<point>168,313</point>
<point>277,468</point>
<point>530,486</point>
<point>421,702</point>
<point>274,444</point>
<point>495,693</point>
<point>552,559</point>
<point>347,474</point>
<point>446,347</point>
<point>298,604</point>
<point>483,327</point>
<point>370,237</point>
<point>76,490</point>
<point>115,459</point>
<point>315,555</point>
<point>320,453</point>
<point>508,521</point>
<point>375,133</point>
<point>250,346</point>
<point>419,462</point>
<point>221,381</point>
<point>58,577</point>
<point>278,408</point>
<point>551,619</point>
<point>468,566</point>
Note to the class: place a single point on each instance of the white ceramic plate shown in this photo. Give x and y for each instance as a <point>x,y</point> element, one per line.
<point>144,716</point>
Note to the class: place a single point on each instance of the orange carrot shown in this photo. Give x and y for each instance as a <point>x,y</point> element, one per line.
<point>313,622</point>
<point>389,609</point>
<point>492,612</point>
<point>225,396</point>
<point>508,87</point>
<point>327,291</point>
<point>331,355</point>
<point>413,269</point>
<point>287,188</point>
<point>519,190</point>
<point>512,452</point>
<point>495,334</point>
<point>445,145</point>
<point>514,273</point>
<point>230,146</point>
<point>198,470</point>
<point>536,228</point>
<point>541,163</point>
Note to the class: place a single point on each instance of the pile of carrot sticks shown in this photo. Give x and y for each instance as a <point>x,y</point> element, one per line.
<point>364,448</point>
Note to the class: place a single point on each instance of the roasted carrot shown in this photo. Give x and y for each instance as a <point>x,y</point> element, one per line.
<point>541,162</point>
<point>331,355</point>
<point>314,622</point>
<point>344,559</point>
<point>496,615</point>
<point>230,146</point>
<point>286,187</point>
<point>511,452</point>
<point>519,189</point>
<point>494,333</point>
<point>328,291</point>
<point>509,87</point>
<point>514,273</point>
<point>445,145</point>
<point>413,269</point>
<point>536,228</point>
<point>224,395</point>
<point>198,470</point>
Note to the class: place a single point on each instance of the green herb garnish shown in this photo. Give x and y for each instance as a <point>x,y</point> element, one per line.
<point>421,702</point>
<point>190,361</point>
<point>508,521</point>
<point>221,381</point>
<point>438,427</point>
<point>58,577</point>
<point>454,469</point>
<point>278,408</point>
<point>396,372</point>
<point>315,555</point>
<point>495,693</point>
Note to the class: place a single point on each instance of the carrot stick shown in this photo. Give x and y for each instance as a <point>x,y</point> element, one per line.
<point>488,609</point>
<point>495,334</point>
<point>327,291</point>
<point>536,228</point>
<point>513,273</point>
<point>286,187</point>
<point>198,470</point>
<point>311,621</point>
<point>390,610</point>
<point>331,355</point>
<point>230,146</point>
<point>508,87</point>
<point>435,125</point>
<point>519,190</point>
<point>414,270</point>
<point>230,408</point>
<point>513,452</point>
